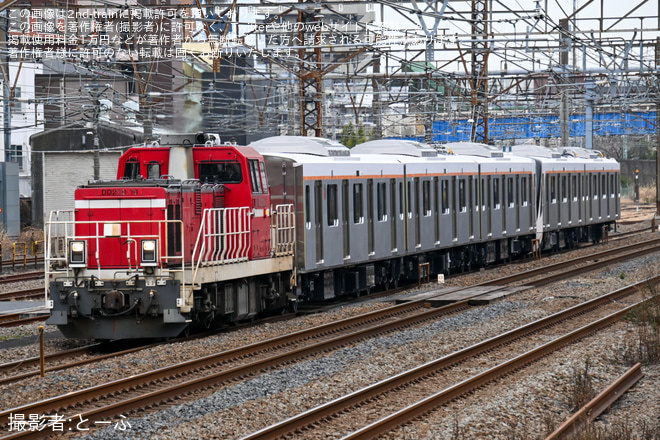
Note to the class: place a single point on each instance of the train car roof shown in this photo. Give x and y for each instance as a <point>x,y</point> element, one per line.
<point>395,147</point>
<point>314,146</point>
<point>472,149</point>
<point>532,151</point>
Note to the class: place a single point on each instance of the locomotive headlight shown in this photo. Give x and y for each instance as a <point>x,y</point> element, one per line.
<point>149,255</point>
<point>77,253</point>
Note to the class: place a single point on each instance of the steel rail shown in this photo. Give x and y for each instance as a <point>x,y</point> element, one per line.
<point>445,396</point>
<point>14,319</point>
<point>20,294</point>
<point>598,404</point>
<point>21,277</point>
<point>315,415</point>
<point>628,251</point>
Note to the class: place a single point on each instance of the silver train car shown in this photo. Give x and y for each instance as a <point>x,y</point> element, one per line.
<point>385,210</point>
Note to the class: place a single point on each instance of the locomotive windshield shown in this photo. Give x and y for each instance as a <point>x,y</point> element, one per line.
<point>220,172</point>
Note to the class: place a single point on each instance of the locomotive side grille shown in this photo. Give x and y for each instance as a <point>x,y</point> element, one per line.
<point>198,200</point>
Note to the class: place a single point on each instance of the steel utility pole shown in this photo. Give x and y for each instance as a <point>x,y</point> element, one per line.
<point>6,91</point>
<point>479,80</point>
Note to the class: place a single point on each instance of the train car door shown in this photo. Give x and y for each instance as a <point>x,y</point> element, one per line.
<point>345,218</point>
<point>418,226</point>
<point>393,237</point>
<point>454,210</point>
<point>318,219</point>
<point>370,216</point>
<point>436,209</point>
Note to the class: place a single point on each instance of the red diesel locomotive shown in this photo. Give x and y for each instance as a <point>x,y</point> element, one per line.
<point>141,256</point>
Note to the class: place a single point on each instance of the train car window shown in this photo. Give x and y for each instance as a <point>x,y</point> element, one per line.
<point>381,191</point>
<point>358,211</point>
<point>603,186</point>
<point>612,186</point>
<point>595,186</point>
<point>445,196</point>
<point>523,191</point>
<point>132,169</point>
<point>462,205</point>
<point>483,194</point>
<point>553,189</point>
<point>308,207</point>
<point>410,200</point>
<point>426,198</point>
<point>318,206</point>
<point>496,193</point>
<point>153,170</point>
<point>574,188</point>
<point>401,199</point>
<point>333,217</point>
<point>564,192</point>
<point>220,172</point>
<point>510,200</point>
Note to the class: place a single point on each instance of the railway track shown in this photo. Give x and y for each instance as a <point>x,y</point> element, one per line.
<point>598,404</point>
<point>173,382</point>
<point>360,406</point>
<point>16,319</point>
<point>26,276</point>
<point>22,294</point>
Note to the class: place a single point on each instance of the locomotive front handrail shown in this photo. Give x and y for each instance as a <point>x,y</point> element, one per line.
<point>283,230</point>
<point>60,229</point>
<point>224,237</point>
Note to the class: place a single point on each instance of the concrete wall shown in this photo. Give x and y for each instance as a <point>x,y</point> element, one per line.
<point>10,217</point>
<point>64,172</point>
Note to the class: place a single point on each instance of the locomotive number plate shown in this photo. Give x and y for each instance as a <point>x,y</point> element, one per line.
<point>118,192</point>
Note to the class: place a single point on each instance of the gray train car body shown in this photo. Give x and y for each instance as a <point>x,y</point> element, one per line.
<point>386,211</point>
<point>579,195</point>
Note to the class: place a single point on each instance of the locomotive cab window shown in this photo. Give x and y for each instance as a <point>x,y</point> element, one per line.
<point>220,172</point>
<point>132,169</point>
<point>153,170</point>
<point>258,177</point>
